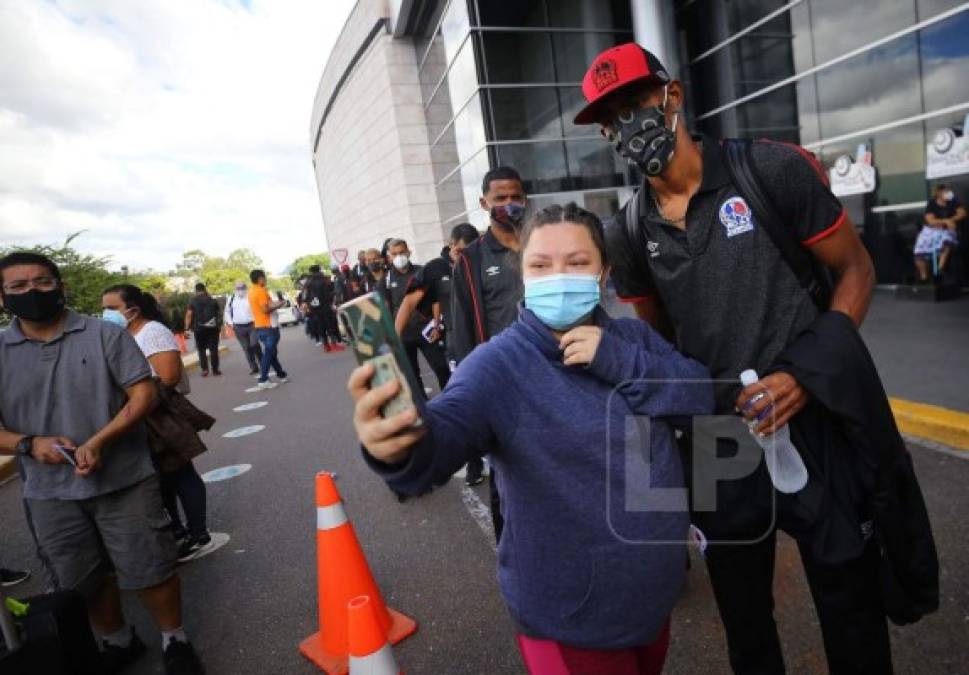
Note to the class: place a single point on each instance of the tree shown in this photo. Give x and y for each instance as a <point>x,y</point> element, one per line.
<point>301,265</point>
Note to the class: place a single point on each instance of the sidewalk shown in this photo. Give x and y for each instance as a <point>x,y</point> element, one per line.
<point>8,466</point>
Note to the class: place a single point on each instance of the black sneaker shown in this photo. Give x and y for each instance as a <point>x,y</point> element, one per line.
<point>217,373</point>
<point>471,481</point>
<point>13,577</point>
<point>180,659</point>
<point>115,658</point>
<point>195,547</point>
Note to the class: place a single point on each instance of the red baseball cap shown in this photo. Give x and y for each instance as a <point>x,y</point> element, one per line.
<point>614,69</point>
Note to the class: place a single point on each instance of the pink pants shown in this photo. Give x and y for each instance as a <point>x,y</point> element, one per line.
<point>546,657</point>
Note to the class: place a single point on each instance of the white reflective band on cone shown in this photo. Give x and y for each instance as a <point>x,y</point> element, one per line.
<point>329,517</point>
<point>381,662</point>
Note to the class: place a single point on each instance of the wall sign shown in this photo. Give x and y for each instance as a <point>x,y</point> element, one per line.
<point>947,154</point>
<point>853,176</point>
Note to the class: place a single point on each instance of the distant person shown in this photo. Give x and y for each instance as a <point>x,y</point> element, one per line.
<point>318,304</point>
<point>399,279</point>
<point>360,268</point>
<point>238,314</point>
<point>940,233</point>
<point>203,318</point>
<point>432,284</point>
<point>263,307</point>
<point>376,271</point>
<point>486,286</point>
<point>76,424</point>
<point>546,399</point>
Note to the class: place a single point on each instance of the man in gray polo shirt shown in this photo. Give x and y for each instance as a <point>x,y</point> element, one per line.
<point>73,393</point>
<point>700,260</point>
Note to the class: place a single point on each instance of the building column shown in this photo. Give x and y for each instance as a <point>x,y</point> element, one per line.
<point>655,30</point>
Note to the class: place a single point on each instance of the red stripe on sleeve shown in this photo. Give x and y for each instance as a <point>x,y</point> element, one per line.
<point>638,300</point>
<point>826,232</point>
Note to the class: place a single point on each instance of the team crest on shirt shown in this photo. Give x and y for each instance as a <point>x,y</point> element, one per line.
<point>736,216</point>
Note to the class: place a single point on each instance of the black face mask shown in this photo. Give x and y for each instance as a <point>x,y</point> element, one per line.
<point>375,266</point>
<point>34,305</point>
<point>642,138</point>
<point>509,216</point>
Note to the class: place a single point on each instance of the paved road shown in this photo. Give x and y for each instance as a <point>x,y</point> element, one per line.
<point>249,604</point>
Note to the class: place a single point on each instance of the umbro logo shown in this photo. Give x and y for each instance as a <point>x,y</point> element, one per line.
<point>653,248</point>
<point>493,271</point>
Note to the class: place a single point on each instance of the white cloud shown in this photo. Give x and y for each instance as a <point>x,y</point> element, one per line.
<point>162,126</point>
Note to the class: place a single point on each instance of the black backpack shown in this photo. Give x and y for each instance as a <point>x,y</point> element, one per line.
<point>811,274</point>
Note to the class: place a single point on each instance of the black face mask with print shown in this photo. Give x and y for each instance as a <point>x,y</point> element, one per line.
<point>34,305</point>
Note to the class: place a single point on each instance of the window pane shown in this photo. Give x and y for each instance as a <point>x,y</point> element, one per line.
<point>461,82</point>
<point>840,26</point>
<point>772,115</point>
<point>929,8</point>
<point>541,165</point>
<point>506,63</point>
<point>522,114</point>
<point>597,14</point>
<point>529,13</point>
<point>878,86</point>
<point>945,58</point>
<point>575,51</point>
<point>594,164</point>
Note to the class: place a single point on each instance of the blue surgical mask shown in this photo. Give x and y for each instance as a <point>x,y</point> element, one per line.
<point>115,317</point>
<point>561,301</point>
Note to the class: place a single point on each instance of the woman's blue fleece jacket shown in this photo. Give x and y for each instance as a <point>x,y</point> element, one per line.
<point>586,557</point>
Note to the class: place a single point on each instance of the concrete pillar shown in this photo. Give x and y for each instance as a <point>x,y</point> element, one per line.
<point>654,29</point>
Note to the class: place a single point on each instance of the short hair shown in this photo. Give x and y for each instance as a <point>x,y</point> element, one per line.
<point>385,247</point>
<point>499,173</point>
<point>256,275</point>
<point>397,242</point>
<point>940,187</point>
<point>374,251</point>
<point>465,232</point>
<point>199,287</point>
<point>29,258</point>
<point>314,269</point>
<point>570,213</point>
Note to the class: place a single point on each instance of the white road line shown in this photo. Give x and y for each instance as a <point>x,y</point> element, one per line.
<point>480,513</point>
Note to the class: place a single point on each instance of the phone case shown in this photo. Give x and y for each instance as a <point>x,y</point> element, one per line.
<point>370,327</point>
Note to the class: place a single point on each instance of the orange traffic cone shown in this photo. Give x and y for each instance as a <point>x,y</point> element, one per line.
<point>343,575</point>
<point>180,339</point>
<point>370,653</point>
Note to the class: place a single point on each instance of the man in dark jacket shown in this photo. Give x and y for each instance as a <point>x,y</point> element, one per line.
<point>701,261</point>
<point>486,286</point>
<point>204,319</point>
<point>318,305</point>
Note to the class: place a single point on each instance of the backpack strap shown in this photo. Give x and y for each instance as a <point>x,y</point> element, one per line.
<point>813,276</point>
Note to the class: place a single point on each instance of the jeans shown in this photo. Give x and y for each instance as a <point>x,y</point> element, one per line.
<point>186,486</point>
<point>207,340</point>
<point>246,335</point>
<point>269,339</point>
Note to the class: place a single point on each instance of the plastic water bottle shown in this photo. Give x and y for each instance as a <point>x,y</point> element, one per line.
<point>784,464</point>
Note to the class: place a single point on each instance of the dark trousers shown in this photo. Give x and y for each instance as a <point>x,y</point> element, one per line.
<point>207,341</point>
<point>269,339</point>
<point>246,335</point>
<point>323,326</point>
<point>186,486</point>
<point>847,598</point>
<point>434,353</point>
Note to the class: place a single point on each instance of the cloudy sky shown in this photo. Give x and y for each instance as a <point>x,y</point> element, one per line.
<point>161,126</point>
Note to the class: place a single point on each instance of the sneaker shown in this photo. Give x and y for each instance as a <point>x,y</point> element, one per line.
<point>267,385</point>
<point>471,481</point>
<point>195,547</point>
<point>327,348</point>
<point>115,658</point>
<point>318,343</point>
<point>217,373</point>
<point>205,373</point>
<point>13,577</point>
<point>180,659</point>
<point>282,380</point>
<point>338,348</point>
<point>254,371</point>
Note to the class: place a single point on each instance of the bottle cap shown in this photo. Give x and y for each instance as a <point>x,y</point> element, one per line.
<point>748,377</point>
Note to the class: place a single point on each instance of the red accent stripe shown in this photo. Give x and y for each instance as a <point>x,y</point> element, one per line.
<point>638,300</point>
<point>829,231</point>
<point>474,298</point>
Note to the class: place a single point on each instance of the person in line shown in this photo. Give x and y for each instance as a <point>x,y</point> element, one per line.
<point>318,305</point>
<point>238,314</point>
<point>551,396</point>
<point>698,261</point>
<point>399,278</point>
<point>939,235</point>
<point>76,424</point>
<point>203,318</point>
<point>432,283</point>
<point>376,271</point>
<point>486,287</point>
<point>130,308</point>
<point>360,268</point>
<point>263,310</point>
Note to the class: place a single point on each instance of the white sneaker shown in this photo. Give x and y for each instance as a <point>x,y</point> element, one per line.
<point>267,385</point>
<point>282,380</point>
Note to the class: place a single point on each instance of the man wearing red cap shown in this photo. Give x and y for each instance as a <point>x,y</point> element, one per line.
<point>695,257</point>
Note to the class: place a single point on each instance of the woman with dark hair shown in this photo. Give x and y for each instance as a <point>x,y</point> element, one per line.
<point>131,308</point>
<point>552,396</point>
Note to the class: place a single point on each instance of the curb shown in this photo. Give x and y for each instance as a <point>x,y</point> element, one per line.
<point>949,427</point>
<point>191,361</point>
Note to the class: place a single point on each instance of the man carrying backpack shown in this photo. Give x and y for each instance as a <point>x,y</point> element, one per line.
<point>727,246</point>
<point>204,319</point>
